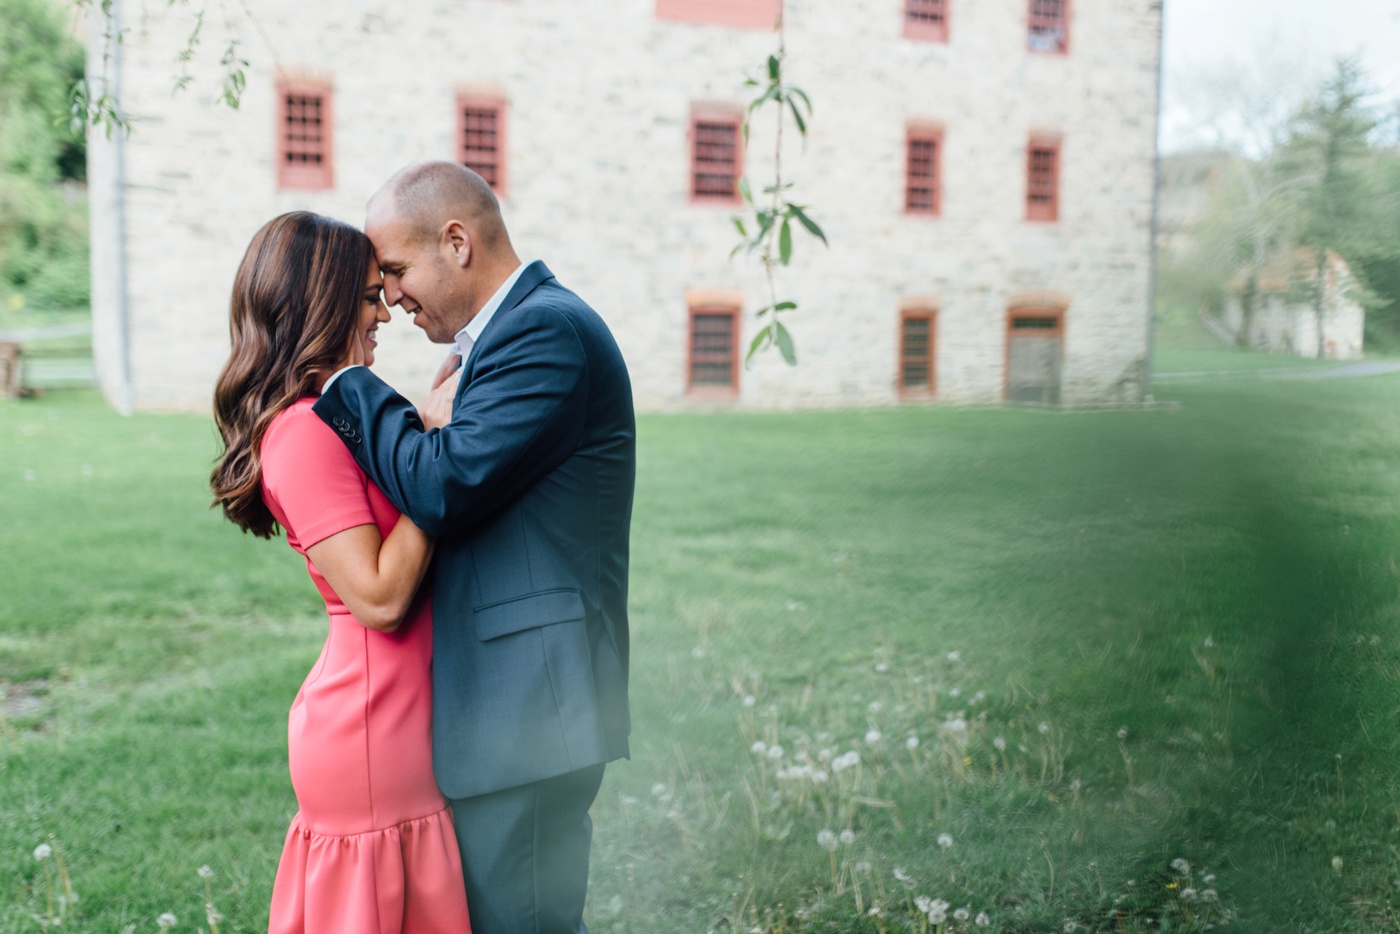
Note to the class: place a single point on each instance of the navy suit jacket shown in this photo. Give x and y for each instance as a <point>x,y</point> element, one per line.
<point>529,490</point>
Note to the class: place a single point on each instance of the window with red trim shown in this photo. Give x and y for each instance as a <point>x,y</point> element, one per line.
<point>926,19</point>
<point>481,134</point>
<point>714,158</point>
<point>304,137</point>
<point>1043,180</point>
<point>916,346</point>
<point>714,348</point>
<point>923,155</point>
<point>1048,29</point>
<point>748,14</point>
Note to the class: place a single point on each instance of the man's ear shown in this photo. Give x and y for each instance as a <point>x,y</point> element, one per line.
<point>457,239</point>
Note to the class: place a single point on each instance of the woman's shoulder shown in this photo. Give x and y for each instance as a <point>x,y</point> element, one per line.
<point>298,430</point>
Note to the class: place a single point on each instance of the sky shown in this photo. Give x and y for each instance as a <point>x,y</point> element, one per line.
<point>1275,47</point>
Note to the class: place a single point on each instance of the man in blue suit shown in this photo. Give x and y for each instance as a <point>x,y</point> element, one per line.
<point>528,488</point>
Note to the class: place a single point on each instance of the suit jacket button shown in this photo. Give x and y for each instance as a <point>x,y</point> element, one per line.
<point>338,422</point>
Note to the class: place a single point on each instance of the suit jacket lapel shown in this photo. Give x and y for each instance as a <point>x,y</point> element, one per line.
<point>532,278</point>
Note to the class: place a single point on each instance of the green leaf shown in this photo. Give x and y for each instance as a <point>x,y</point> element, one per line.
<point>759,313</point>
<point>744,191</point>
<point>798,92</point>
<point>801,124</point>
<point>785,345</point>
<point>785,242</point>
<point>811,225</point>
<point>754,346</point>
<point>739,224</point>
<point>774,69</point>
<point>785,306</point>
<point>737,247</point>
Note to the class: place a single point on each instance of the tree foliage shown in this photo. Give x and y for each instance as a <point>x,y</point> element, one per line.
<point>43,225</point>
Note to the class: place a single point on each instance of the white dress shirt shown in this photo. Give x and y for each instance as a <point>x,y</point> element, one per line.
<point>467,337</point>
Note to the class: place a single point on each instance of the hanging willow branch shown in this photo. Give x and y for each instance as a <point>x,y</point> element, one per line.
<point>772,221</point>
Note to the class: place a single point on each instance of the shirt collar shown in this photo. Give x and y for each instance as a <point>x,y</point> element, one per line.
<point>468,336</point>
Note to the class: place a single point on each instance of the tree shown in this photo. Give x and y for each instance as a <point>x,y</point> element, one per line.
<point>43,235</point>
<point>1330,153</point>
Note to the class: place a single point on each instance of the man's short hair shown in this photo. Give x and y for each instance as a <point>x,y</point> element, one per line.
<point>428,194</point>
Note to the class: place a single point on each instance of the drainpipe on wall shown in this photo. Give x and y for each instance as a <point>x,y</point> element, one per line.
<point>1156,207</point>
<point>125,403</point>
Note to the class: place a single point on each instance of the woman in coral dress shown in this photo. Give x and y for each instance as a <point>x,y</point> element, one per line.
<point>372,848</point>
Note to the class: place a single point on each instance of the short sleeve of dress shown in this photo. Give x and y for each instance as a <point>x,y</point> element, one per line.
<point>311,479</point>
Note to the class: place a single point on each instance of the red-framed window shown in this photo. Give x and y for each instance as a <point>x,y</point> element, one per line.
<point>926,20</point>
<point>918,337</point>
<point>1043,180</point>
<point>715,158</point>
<point>305,136</point>
<point>481,139</point>
<point>746,14</point>
<point>1047,28</point>
<point>923,171</point>
<point>713,364</point>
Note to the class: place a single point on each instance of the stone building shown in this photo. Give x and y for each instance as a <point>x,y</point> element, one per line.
<point>1282,317</point>
<point>984,170</point>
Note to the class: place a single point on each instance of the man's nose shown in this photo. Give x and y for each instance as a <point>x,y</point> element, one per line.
<point>392,293</point>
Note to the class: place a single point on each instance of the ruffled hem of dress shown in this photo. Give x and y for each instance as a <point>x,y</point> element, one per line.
<point>405,879</point>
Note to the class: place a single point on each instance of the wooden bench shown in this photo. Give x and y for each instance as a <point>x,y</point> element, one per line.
<point>10,381</point>
<point>61,364</point>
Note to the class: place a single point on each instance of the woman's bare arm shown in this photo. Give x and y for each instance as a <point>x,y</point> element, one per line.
<point>375,578</point>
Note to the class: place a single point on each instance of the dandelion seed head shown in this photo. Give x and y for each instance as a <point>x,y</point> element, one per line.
<point>824,755</point>
<point>979,697</point>
<point>911,743</point>
<point>1076,785</point>
<point>658,789</point>
<point>863,866</point>
<point>775,752</point>
<point>902,874</point>
<point>1187,895</point>
<point>1122,732</point>
<point>1210,879</point>
<point>955,692</point>
<point>875,912</point>
<point>1070,926</point>
<point>873,737</point>
<point>938,912</point>
<point>954,656</point>
<point>1000,743</point>
<point>962,914</point>
<point>1209,643</point>
<point>749,700</point>
<point>697,652</point>
<point>881,668</point>
<point>923,903</point>
<point>819,776</point>
<point>1043,728</point>
<point>1023,747</point>
<point>204,872</point>
<point>1336,864</point>
<point>1210,895</point>
<point>826,839</point>
<point>875,706</point>
<point>982,920</point>
<point>848,836</point>
<point>1181,865</point>
<point>42,852</point>
<point>956,725</point>
<point>945,840</point>
<point>628,801</point>
<point>167,920</point>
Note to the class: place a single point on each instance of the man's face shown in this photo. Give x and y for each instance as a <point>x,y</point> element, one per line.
<point>421,276</point>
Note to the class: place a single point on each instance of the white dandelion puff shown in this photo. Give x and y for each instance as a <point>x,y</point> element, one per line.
<point>697,652</point>
<point>938,912</point>
<point>167,920</point>
<point>875,912</point>
<point>954,656</point>
<point>42,852</point>
<point>945,840</point>
<point>827,840</point>
<point>902,875</point>
<point>1000,743</point>
<point>775,752</point>
<point>819,777</point>
<point>658,789</point>
<point>1122,732</point>
<point>881,668</point>
<point>1043,728</point>
<point>956,725</point>
<point>848,836</point>
<point>749,700</point>
<point>1210,879</point>
<point>1210,895</point>
<point>1181,866</point>
<point>1336,864</point>
<point>955,692</point>
<point>982,920</point>
<point>962,914</point>
<point>204,872</point>
<point>911,743</point>
<point>759,747</point>
<point>1188,895</point>
<point>923,903</point>
<point>873,737</point>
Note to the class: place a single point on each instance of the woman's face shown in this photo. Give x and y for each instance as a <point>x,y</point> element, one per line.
<point>372,312</point>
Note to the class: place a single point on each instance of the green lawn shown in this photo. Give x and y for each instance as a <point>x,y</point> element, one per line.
<point>1118,639</point>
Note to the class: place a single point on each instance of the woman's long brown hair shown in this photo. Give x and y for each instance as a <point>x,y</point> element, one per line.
<point>296,302</point>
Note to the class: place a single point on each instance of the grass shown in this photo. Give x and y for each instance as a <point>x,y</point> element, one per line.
<point>1199,607</point>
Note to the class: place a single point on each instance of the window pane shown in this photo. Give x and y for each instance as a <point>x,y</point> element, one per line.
<point>922,183</point>
<point>481,150</point>
<point>1048,29</point>
<point>716,160</point>
<point>712,349</point>
<point>926,12</point>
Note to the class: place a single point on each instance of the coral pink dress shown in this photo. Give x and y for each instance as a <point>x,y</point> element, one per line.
<point>372,849</point>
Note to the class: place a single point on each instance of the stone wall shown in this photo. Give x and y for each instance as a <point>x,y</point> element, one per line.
<point>600,96</point>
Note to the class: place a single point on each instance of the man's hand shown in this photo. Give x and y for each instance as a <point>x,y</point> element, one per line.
<point>449,366</point>
<point>437,411</point>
